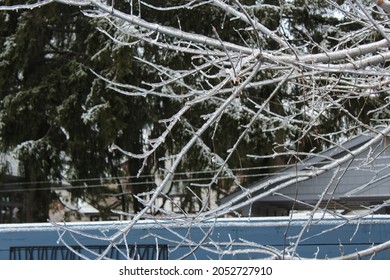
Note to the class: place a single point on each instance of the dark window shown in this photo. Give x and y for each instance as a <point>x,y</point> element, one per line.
<point>11,208</point>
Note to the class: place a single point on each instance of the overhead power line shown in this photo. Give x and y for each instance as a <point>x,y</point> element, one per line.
<point>54,185</point>
<point>149,176</point>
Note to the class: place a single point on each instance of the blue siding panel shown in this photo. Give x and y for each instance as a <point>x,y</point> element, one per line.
<point>325,238</point>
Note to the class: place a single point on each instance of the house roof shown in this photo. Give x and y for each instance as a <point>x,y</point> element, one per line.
<point>353,174</point>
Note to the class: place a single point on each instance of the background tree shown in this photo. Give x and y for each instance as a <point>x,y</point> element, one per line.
<point>56,116</point>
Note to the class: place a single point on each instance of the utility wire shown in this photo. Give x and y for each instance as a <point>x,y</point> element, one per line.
<point>149,176</point>
<point>151,183</point>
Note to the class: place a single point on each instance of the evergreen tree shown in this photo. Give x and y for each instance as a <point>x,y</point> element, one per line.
<point>55,113</point>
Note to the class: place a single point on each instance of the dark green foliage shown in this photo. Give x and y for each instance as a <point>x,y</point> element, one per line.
<point>54,111</point>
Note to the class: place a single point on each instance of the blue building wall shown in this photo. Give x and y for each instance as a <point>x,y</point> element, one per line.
<point>222,239</point>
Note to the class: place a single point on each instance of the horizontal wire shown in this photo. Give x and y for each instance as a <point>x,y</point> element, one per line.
<point>69,187</point>
<point>138,177</point>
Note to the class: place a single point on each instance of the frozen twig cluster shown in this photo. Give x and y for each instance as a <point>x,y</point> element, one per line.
<point>354,68</point>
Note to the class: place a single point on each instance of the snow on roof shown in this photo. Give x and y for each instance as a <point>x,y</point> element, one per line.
<point>79,206</point>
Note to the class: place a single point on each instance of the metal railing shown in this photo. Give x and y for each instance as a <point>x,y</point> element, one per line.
<point>138,252</point>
